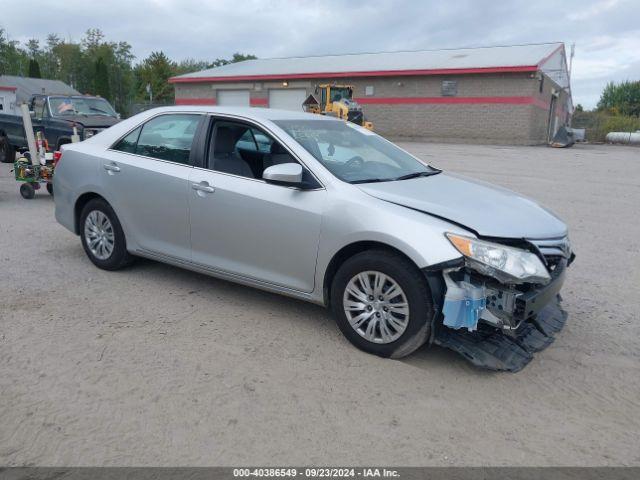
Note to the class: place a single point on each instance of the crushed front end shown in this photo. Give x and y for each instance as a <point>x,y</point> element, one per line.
<point>501,302</point>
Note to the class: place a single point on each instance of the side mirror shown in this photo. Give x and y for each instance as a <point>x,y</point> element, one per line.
<point>286,174</point>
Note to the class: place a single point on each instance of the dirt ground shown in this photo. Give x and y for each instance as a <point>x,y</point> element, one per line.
<point>159,366</point>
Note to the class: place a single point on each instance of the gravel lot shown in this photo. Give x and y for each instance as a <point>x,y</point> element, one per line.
<point>160,366</point>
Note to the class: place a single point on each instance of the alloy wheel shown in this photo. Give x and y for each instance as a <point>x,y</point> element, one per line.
<point>376,307</point>
<point>99,234</point>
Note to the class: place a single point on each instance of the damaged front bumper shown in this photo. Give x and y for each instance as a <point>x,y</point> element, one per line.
<point>500,326</point>
<point>471,299</point>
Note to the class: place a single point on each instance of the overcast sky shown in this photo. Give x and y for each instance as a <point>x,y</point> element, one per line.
<point>606,32</point>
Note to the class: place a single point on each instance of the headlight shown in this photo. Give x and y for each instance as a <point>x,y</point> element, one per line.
<point>507,264</point>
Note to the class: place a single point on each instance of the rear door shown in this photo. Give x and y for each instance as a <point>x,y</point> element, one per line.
<point>243,226</point>
<point>146,174</point>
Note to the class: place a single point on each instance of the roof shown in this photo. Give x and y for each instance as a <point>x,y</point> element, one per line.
<point>26,86</point>
<point>515,58</point>
<point>247,112</point>
<point>261,115</point>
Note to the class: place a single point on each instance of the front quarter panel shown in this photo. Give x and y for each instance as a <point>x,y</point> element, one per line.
<point>353,216</point>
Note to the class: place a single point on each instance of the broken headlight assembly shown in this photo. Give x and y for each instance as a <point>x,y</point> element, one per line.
<point>506,264</point>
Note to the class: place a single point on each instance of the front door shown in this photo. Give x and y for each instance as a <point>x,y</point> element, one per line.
<point>243,226</point>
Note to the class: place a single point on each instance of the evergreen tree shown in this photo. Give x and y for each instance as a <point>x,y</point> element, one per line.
<point>155,70</point>
<point>34,69</point>
<point>101,79</point>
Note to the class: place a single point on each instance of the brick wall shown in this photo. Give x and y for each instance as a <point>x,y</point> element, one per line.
<point>516,112</point>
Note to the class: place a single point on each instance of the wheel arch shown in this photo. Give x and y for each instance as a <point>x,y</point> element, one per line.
<point>81,201</point>
<point>62,141</point>
<point>349,251</point>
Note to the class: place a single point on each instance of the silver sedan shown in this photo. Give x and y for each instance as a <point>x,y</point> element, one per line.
<point>323,210</point>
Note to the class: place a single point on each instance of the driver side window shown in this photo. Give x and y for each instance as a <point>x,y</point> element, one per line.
<point>240,149</point>
<point>243,150</point>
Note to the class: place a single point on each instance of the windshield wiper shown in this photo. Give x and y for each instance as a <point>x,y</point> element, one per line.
<point>372,180</point>
<point>98,110</point>
<point>418,174</point>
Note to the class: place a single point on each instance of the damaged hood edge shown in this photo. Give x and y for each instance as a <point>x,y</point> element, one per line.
<point>482,208</point>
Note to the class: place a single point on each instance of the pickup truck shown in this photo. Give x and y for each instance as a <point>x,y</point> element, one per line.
<point>55,116</point>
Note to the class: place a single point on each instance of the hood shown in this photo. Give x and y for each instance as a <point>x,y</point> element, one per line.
<point>488,210</point>
<point>95,121</point>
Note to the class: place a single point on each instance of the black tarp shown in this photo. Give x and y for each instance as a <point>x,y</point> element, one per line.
<point>563,138</point>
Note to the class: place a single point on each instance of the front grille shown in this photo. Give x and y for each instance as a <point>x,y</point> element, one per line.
<point>553,250</point>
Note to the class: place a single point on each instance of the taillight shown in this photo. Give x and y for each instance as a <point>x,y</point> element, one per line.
<point>57,156</point>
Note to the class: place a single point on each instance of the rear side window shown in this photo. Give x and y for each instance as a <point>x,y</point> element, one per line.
<point>167,137</point>
<point>128,143</point>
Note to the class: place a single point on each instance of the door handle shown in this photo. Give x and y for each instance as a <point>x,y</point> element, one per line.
<point>203,187</point>
<point>111,167</point>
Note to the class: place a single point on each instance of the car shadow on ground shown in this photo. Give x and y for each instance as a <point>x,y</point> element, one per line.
<point>436,357</point>
<point>212,289</point>
<point>41,195</point>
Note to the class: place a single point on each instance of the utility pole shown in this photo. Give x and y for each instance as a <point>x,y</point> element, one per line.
<point>573,52</point>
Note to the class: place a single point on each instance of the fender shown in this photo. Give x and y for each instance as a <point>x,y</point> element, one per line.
<point>418,236</point>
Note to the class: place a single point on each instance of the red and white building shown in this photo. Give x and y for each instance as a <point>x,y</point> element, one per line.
<point>511,95</point>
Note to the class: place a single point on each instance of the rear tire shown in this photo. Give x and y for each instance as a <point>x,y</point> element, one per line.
<point>50,188</point>
<point>394,281</point>
<point>7,152</point>
<point>102,237</point>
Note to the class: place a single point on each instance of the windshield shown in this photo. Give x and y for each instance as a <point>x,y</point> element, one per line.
<point>339,93</point>
<point>352,153</point>
<point>64,106</point>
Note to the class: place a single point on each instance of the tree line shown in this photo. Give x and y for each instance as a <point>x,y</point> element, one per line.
<point>621,99</point>
<point>100,67</point>
<point>618,110</point>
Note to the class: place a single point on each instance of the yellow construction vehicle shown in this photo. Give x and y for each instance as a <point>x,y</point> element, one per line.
<point>336,100</point>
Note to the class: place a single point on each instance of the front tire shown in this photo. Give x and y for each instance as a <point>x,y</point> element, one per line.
<point>102,236</point>
<point>382,303</point>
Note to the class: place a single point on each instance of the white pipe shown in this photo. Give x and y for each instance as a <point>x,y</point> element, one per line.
<point>28,130</point>
<point>629,138</point>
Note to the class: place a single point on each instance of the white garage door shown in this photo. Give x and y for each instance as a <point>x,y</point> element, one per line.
<point>287,99</point>
<point>233,98</point>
